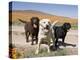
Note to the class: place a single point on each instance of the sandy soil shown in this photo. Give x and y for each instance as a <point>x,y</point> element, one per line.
<point>18,38</point>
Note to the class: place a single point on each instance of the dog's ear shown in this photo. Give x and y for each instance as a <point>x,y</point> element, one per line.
<point>64,26</point>
<point>32,19</point>
<point>38,20</point>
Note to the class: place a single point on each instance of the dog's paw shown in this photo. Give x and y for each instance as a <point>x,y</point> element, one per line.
<point>48,51</point>
<point>27,40</point>
<point>32,44</point>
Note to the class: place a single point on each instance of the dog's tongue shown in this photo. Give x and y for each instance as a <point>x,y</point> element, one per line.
<point>35,26</point>
<point>46,30</point>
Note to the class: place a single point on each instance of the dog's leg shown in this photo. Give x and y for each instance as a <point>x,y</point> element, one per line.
<point>49,42</point>
<point>32,40</point>
<point>56,46</point>
<point>63,41</point>
<point>38,47</point>
<point>27,36</point>
<point>36,40</point>
<point>53,40</point>
<point>53,43</point>
<point>48,48</point>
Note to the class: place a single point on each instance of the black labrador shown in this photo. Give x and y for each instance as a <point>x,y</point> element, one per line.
<point>31,28</point>
<point>60,32</point>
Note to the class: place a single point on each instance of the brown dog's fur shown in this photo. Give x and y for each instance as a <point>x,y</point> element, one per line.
<point>31,30</point>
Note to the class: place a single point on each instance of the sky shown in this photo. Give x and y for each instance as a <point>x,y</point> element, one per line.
<point>54,9</point>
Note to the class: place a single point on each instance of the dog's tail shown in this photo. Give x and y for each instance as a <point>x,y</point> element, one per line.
<point>53,26</point>
<point>21,20</point>
<point>54,23</point>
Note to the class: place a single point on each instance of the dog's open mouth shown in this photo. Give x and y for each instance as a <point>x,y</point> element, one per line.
<point>46,29</point>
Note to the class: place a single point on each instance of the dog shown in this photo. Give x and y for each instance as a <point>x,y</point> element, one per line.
<point>31,28</point>
<point>45,33</point>
<point>60,32</point>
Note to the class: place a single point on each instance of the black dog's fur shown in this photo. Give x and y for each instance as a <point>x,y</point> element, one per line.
<point>60,32</point>
<point>31,30</point>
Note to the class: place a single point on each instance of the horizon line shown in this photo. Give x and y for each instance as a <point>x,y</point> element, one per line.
<point>44,13</point>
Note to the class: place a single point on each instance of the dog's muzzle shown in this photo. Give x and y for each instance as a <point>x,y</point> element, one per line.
<point>68,30</point>
<point>47,27</point>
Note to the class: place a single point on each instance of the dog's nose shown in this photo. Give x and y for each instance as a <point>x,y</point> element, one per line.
<point>47,26</point>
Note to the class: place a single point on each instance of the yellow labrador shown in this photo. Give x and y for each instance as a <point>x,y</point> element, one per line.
<point>45,33</point>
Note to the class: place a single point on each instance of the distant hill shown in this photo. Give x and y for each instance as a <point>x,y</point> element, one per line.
<point>27,14</point>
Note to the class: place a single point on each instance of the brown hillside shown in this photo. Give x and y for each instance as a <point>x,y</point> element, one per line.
<point>27,14</point>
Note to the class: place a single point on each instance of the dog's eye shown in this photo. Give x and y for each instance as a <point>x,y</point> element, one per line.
<point>48,22</point>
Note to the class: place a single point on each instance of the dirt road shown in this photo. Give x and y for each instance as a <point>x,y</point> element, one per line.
<point>18,36</point>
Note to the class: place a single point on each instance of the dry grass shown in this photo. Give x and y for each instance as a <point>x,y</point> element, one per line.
<point>26,53</point>
<point>26,15</point>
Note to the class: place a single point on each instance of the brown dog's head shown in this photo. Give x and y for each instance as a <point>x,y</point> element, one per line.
<point>35,22</point>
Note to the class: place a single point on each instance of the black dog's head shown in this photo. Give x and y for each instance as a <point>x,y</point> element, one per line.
<point>66,26</point>
<point>35,22</point>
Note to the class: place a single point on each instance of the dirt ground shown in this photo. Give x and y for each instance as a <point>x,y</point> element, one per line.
<point>71,40</point>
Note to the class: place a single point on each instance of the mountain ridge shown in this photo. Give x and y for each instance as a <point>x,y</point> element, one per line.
<point>27,14</point>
